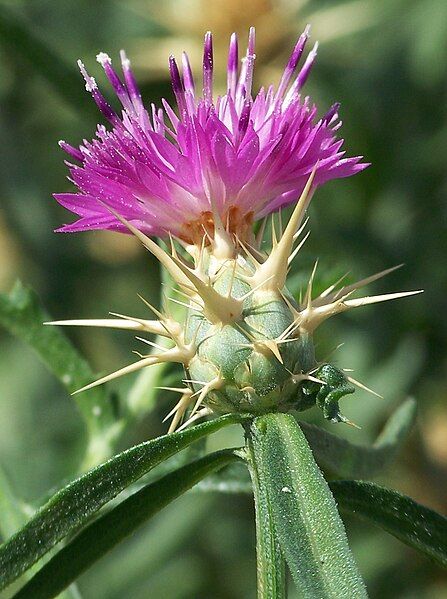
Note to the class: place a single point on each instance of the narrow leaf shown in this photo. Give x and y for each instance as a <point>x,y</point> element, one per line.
<point>72,507</point>
<point>22,314</point>
<point>347,460</point>
<point>110,529</point>
<point>307,523</point>
<point>271,578</point>
<point>414,524</point>
<point>231,480</point>
<point>13,513</point>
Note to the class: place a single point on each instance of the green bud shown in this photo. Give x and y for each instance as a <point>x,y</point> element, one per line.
<point>255,366</point>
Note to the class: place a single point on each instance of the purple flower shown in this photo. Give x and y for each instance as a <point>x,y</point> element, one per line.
<point>238,155</point>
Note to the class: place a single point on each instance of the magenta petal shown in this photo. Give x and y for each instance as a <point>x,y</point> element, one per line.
<point>162,170</point>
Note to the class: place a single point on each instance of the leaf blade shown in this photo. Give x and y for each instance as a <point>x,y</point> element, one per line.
<point>22,314</point>
<point>271,579</point>
<point>108,530</point>
<point>77,502</point>
<point>412,523</point>
<point>13,512</point>
<point>309,528</point>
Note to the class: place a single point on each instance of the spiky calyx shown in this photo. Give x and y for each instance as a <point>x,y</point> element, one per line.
<point>245,343</point>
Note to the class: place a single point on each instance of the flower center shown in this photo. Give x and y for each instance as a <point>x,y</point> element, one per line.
<point>236,223</point>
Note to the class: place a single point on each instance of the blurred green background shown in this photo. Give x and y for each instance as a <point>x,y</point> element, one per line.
<point>385,61</point>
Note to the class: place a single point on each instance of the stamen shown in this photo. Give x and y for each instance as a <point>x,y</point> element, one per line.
<point>208,68</point>
<point>232,69</point>
<point>302,76</point>
<point>188,77</point>
<point>118,86</point>
<point>129,78</point>
<point>250,61</point>
<point>305,71</point>
<point>92,87</point>
<point>333,110</point>
<point>177,85</point>
<point>292,64</point>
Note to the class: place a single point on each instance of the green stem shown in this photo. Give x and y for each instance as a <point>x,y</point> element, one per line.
<point>269,560</point>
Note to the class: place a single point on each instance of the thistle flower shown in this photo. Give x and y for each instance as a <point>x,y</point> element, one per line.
<point>202,176</point>
<point>239,156</point>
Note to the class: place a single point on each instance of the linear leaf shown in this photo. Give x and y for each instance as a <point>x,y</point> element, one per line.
<point>338,456</point>
<point>309,528</point>
<point>72,506</point>
<point>108,530</point>
<point>347,460</point>
<point>414,524</point>
<point>231,480</point>
<point>22,314</point>
<point>271,580</point>
<point>13,515</point>
<point>13,512</point>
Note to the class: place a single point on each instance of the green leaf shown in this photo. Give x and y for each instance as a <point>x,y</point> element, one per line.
<point>338,456</point>
<point>108,530</point>
<point>414,524</point>
<point>271,579</point>
<point>20,38</point>
<point>13,513</point>
<point>22,314</point>
<point>233,479</point>
<point>346,460</point>
<point>72,506</point>
<point>307,523</point>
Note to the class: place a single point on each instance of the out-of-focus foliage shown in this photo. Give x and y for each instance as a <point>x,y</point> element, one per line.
<point>385,62</point>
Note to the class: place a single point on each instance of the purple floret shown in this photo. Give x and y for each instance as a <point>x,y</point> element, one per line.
<point>166,171</point>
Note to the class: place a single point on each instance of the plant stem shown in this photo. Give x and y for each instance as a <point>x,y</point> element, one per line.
<point>270,562</point>
<point>307,524</point>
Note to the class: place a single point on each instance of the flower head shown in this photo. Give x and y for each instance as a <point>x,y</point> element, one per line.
<point>203,175</point>
<point>233,157</point>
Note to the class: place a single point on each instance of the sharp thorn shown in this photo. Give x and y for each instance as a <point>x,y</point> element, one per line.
<point>364,387</point>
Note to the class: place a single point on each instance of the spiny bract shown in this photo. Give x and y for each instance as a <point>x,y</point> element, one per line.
<point>245,343</point>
